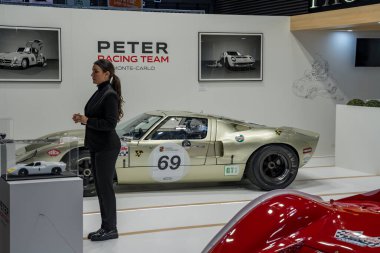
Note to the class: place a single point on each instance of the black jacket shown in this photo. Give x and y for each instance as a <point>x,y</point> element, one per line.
<point>102,113</point>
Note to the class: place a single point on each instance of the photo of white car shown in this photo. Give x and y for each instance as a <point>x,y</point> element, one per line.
<point>234,60</point>
<point>37,168</point>
<point>24,57</point>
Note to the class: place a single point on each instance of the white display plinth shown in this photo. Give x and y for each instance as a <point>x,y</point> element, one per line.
<point>357,138</point>
<point>41,216</point>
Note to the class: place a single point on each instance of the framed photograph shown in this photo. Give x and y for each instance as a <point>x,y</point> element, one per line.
<point>30,54</point>
<point>230,56</point>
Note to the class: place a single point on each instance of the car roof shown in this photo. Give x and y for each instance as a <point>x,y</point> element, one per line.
<point>165,113</point>
<point>176,113</point>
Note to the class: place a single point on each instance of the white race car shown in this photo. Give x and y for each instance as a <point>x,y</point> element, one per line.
<point>38,167</point>
<point>235,60</point>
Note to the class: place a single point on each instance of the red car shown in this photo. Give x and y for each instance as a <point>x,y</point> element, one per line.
<point>285,221</point>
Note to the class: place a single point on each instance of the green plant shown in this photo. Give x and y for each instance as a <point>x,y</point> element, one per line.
<point>356,101</point>
<point>373,103</point>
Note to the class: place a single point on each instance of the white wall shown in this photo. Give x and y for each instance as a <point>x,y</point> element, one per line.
<point>338,49</point>
<point>40,108</point>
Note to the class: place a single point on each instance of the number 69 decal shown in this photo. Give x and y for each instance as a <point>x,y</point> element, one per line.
<point>173,163</point>
<point>169,162</point>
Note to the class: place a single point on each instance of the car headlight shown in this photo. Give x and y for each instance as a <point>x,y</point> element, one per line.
<point>233,59</point>
<point>10,170</point>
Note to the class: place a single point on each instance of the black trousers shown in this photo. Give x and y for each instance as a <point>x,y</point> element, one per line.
<point>103,169</point>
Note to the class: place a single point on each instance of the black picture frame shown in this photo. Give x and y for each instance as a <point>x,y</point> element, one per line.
<point>30,54</point>
<point>230,56</point>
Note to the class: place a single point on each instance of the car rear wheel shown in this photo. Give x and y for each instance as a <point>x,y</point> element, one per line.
<point>23,172</point>
<point>56,171</point>
<point>272,167</point>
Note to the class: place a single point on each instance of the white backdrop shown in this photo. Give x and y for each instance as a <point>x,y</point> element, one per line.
<point>40,108</point>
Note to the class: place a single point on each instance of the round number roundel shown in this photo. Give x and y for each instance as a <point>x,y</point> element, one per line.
<point>169,162</point>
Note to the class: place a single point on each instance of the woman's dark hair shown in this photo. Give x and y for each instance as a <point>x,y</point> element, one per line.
<point>106,65</point>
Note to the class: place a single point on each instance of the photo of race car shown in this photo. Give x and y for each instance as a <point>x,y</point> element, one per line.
<point>234,60</point>
<point>184,147</point>
<point>38,167</point>
<point>293,221</point>
<point>24,57</point>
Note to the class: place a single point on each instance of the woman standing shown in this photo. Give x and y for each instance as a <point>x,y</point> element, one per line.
<point>102,112</point>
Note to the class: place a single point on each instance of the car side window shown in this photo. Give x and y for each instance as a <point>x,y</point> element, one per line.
<point>37,164</point>
<point>181,128</point>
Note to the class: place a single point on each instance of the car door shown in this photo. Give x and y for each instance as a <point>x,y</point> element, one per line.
<point>166,152</point>
<point>175,146</point>
<point>176,141</point>
<point>37,168</point>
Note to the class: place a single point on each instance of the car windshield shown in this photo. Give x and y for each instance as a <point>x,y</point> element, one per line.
<point>233,53</point>
<point>20,49</point>
<point>136,127</point>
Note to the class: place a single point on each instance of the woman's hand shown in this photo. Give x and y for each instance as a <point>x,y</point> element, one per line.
<point>78,118</point>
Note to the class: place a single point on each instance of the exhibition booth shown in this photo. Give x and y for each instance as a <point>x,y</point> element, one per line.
<point>297,72</point>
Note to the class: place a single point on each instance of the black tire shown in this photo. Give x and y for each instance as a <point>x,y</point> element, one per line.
<point>24,63</point>
<point>23,172</point>
<point>272,167</point>
<point>80,160</point>
<point>227,64</point>
<point>42,63</point>
<point>56,171</point>
<point>83,163</point>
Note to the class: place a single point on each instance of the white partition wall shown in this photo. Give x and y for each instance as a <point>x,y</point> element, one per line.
<point>358,138</point>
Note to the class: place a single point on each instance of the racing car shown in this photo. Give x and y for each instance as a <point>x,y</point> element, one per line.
<point>234,60</point>
<point>38,167</point>
<point>24,57</point>
<point>183,147</point>
<point>287,221</point>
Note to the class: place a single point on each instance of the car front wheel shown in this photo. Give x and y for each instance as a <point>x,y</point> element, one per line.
<point>23,172</point>
<point>42,63</point>
<point>24,63</point>
<point>83,163</point>
<point>272,167</point>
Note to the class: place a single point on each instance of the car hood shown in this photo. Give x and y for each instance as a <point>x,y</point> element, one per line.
<point>291,220</point>
<point>11,55</point>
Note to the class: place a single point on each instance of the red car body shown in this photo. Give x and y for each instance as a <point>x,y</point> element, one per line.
<point>285,221</point>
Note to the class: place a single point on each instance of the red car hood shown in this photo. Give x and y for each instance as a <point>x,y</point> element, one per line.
<point>293,222</point>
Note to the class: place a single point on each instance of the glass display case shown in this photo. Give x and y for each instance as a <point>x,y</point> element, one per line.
<point>38,158</point>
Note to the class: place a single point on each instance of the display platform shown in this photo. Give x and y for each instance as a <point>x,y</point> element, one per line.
<point>41,216</point>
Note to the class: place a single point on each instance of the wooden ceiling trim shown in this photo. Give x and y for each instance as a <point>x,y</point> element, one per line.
<point>337,19</point>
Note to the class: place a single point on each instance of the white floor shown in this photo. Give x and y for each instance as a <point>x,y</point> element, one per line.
<point>184,218</point>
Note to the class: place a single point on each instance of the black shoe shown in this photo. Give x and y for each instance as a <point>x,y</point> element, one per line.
<point>103,235</point>
<point>92,233</point>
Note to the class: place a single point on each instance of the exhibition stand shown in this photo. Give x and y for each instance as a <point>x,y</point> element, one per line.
<point>41,216</point>
<point>38,215</point>
<point>357,138</point>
